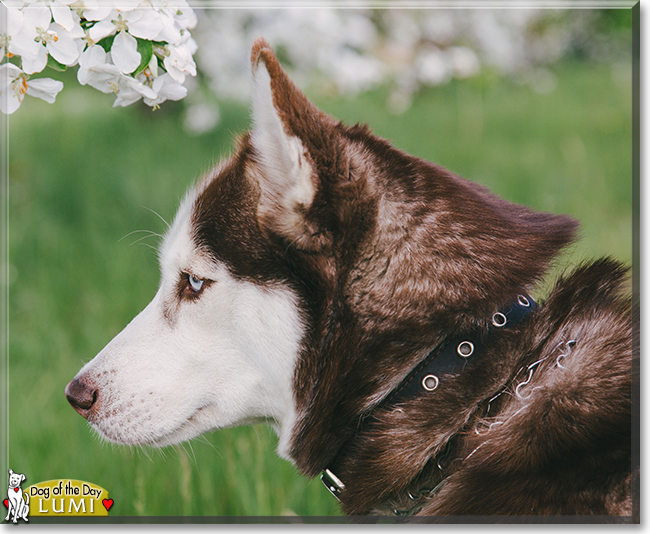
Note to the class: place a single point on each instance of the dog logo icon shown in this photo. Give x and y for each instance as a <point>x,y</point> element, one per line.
<point>17,504</point>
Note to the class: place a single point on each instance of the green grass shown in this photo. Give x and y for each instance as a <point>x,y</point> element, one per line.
<point>83,176</point>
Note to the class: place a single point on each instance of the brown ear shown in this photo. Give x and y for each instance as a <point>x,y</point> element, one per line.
<point>288,131</point>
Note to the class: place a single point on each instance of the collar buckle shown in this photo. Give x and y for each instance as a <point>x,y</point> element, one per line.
<point>332,483</point>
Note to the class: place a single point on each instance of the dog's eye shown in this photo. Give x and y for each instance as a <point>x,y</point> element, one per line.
<point>195,283</point>
<point>190,287</point>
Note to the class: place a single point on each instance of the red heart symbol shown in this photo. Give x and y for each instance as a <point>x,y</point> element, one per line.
<point>6,501</point>
<point>107,504</point>
<point>16,489</point>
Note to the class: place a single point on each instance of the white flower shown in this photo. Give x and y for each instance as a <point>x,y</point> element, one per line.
<point>60,11</point>
<point>96,10</point>
<point>130,90</point>
<point>61,44</point>
<point>34,30</point>
<point>44,88</point>
<point>39,36</point>
<point>14,84</point>
<point>127,23</point>
<point>25,43</point>
<point>178,62</point>
<point>14,22</point>
<point>183,14</point>
<point>125,52</point>
<point>107,78</point>
<point>92,57</point>
<point>165,88</point>
<point>176,19</point>
<point>143,23</point>
<point>102,76</point>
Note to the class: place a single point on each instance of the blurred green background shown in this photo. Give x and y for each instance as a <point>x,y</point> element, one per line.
<point>84,177</point>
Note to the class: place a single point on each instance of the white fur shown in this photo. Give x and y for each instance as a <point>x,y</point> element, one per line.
<point>181,368</point>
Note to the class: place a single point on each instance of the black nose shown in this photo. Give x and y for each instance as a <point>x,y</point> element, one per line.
<point>81,396</point>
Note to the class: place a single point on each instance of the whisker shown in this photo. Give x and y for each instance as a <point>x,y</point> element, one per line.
<point>139,231</point>
<point>155,249</point>
<point>158,214</point>
<point>142,238</point>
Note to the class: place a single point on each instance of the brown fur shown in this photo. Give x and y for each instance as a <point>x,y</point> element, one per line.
<point>391,256</point>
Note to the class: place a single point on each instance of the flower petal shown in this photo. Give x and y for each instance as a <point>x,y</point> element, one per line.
<point>8,73</point>
<point>166,87</point>
<point>186,17</point>
<point>23,44</point>
<point>44,88</point>
<point>62,16</point>
<point>14,20</point>
<point>170,32</point>
<point>94,11</point>
<point>104,78</point>
<point>131,91</point>
<point>36,16</point>
<point>179,62</point>
<point>10,101</point>
<point>14,4</point>
<point>93,56</point>
<point>145,24</point>
<point>125,52</point>
<point>36,63</point>
<point>11,88</point>
<point>102,29</point>
<point>63,49</point>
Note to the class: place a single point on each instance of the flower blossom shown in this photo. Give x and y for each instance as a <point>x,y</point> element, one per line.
<point>15,84</point>
<point>126,23</point>
<point>39,36</point>
<point>139,49</point>
<point>178,62</point>
<point>96,71</point>
<point>166,88</point>
<point>14,22</point>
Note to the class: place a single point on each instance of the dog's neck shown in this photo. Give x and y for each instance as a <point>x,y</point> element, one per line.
<point>447,360</point>
<point>379,301</point>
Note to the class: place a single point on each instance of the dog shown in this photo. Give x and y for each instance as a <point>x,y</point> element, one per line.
<point>16,503</point>
<point>375,309</point>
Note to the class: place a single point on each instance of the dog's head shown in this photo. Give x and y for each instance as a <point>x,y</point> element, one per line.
<point>302,279</point>
<point>15,479</point>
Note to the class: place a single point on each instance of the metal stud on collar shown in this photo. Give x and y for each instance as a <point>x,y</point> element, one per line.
<point>430,382</point>
<point>465,349</point>
<point>521,299</point>
<point>499,319</point>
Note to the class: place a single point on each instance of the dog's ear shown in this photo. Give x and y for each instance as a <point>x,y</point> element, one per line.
<point>11,472</point>
<point>289,133</point>
<point>22,478</point>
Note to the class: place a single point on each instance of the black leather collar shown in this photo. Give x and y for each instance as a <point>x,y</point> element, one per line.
<point>448,359</point>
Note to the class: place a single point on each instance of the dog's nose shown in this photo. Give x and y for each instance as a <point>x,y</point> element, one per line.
<point>80,396</point>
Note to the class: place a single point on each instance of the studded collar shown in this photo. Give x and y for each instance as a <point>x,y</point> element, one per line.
<point>446,360</point>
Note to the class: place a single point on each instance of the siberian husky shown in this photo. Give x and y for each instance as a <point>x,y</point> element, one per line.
<point>375,309</point>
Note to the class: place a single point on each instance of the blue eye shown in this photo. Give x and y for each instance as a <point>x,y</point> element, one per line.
<point>195,283</point>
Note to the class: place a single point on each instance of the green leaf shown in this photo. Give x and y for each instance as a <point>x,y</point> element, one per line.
<point>107,42</point>
<point>161,64</point>
<point>54,64</point>
<point>145,48</point>
<point>87,24</point>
